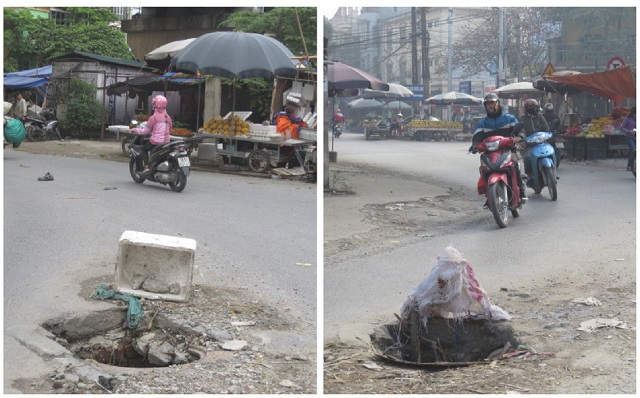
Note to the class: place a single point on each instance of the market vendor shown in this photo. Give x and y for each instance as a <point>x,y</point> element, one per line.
<point>287,122</point>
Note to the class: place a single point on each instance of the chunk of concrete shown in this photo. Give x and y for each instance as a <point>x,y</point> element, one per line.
<point>165,260</point>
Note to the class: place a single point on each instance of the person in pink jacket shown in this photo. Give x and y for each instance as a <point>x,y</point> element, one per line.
<point>159,125</point>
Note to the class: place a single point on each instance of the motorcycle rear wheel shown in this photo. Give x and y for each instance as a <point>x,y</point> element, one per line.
<point>32,133</point>
<point>499,203</point>
<point>181,181</point>
<point>550,180</point>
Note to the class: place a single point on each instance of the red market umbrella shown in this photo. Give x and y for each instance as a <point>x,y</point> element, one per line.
<point>615,84</point>
<point>342,76</point>
<point>546,83</point>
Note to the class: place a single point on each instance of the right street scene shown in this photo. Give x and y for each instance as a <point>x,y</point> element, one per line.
<point>479,200</point>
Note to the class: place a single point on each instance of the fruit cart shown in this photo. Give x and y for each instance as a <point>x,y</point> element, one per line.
<point>259,145</point>
<point>378,129</point>
<point>433,130</point>
<point>262,151</point>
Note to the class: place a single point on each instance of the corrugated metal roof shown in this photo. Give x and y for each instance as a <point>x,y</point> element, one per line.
<point>101,58</point>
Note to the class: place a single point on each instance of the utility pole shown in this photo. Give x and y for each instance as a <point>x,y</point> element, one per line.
<point>519,45</point>
<point>414,47</point>
<point>449,49</point>
<point>500,47</point>
<point>425,53</point>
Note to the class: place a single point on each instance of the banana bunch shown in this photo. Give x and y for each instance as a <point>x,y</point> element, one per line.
<point>434,124</point>
<point>231,126</point>
<point>597,127</point>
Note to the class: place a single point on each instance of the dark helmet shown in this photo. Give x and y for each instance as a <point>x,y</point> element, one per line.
<point>492,97</point>
<point>548,107</point>
<point>531,106</point>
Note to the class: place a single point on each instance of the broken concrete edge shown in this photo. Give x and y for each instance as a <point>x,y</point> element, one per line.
<point>43,344</point>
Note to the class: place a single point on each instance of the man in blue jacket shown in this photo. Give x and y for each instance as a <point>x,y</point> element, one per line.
<point>507,124</point>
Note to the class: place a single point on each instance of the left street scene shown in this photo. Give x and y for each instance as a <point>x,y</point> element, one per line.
<point>160,200</point>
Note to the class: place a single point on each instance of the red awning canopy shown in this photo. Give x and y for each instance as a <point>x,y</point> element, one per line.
<point>616,84</point>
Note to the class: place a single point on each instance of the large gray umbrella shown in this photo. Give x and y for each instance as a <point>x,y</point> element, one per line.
<point>398,105</point>
<point>453,97</point>
<point>236,55</point>
<point>362,103</point>
<point>395,91</point>
<point>517,89</point>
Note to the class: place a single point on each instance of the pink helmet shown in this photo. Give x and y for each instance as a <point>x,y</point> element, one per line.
<point>159,101</point>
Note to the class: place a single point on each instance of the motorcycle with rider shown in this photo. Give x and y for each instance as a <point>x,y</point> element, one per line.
<point>500,179</point>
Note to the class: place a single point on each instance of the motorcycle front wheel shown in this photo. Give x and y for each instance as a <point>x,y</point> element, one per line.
<point>180,183</point>
<point>499,203</point>
<point>550,182</point>
<point>134,174</point>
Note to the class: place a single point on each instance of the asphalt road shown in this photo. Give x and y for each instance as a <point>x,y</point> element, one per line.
<point>252,233</point>
<point>580,235</point>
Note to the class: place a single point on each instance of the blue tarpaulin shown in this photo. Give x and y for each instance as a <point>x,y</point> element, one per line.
<point>29,78</point>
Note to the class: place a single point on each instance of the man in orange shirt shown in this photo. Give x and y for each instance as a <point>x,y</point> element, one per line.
<point>287,122</point>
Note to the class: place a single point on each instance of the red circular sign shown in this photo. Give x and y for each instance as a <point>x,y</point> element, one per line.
<point>615,63</point>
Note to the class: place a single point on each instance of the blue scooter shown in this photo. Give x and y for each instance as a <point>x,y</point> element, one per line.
<point>543,164</point>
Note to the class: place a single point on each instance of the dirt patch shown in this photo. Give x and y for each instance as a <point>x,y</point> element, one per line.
<point>566,361</point>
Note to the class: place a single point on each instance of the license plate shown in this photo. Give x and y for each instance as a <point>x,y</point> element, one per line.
<point>560,145</point>
<point>184,162</point>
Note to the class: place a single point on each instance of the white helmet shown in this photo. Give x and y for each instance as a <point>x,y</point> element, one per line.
<point>548,107</point>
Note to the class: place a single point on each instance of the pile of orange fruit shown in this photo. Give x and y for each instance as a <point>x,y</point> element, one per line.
<point>231,126</point>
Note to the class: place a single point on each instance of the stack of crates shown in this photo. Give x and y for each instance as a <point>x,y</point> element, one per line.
<point>580,148</point>
<point>596,148</point>
<point>569,146</point>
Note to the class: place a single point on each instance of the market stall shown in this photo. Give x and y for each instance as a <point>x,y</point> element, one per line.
<point>224,54</point>
<point>598,138</point>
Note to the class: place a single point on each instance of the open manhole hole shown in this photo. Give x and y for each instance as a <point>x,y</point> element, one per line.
<point>447,342</point>
<point>101,336</point>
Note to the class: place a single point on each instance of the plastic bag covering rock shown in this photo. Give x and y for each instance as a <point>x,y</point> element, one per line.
<point>451,291</point>
<point>135,311</point>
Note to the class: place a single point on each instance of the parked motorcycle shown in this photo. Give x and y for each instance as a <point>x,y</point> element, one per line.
<point>168,164</point>
<point>498,177</point>
<point>337,130</point>
<point>543,164</point>
<point>42,127</point>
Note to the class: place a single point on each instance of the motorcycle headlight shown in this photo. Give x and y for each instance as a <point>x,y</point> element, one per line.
<point>536,139</point>
<point>492,146</point>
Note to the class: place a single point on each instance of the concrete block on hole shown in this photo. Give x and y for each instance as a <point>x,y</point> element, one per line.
<point>155,260</point>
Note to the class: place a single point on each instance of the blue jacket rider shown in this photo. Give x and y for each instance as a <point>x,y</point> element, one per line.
<point>495,120</point>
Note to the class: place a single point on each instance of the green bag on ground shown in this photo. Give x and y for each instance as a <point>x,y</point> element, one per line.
<point>135,311</point>
<point>14,131</point>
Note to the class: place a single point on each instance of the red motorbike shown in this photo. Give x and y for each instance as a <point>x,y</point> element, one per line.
<point>498,177</point>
